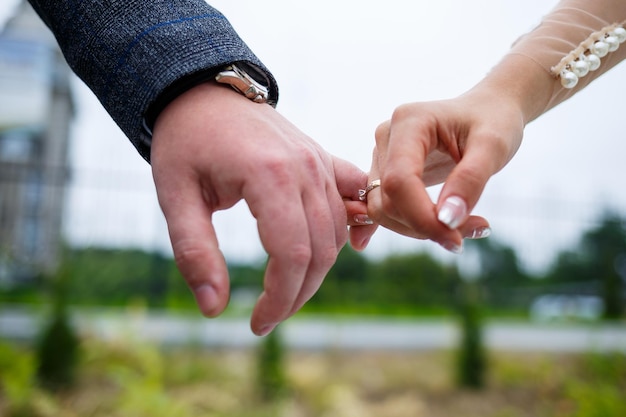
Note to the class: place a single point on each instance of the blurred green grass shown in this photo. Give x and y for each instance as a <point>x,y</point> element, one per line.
<point>123,378</point>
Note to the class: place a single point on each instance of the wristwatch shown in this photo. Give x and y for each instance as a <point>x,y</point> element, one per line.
<point>242,82</point>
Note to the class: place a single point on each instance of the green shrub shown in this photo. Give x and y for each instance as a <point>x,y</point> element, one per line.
<point>19,392</point>
<point>471,360</point>
<point>57,354</point>
<point>16,378</point>
<point>271,368</point>
<point>596,400</point>
<point>58,347</point>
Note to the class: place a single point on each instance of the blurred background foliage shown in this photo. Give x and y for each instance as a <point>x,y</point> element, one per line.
<point>401,284</point>
<point>65,374</point>
<point>126,378</point>
<point>61,372</point>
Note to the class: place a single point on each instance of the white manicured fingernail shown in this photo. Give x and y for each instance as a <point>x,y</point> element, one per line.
<point>479,233</point>
<point>363,219</point>
<point>453,247</point>
<point>452,212</point>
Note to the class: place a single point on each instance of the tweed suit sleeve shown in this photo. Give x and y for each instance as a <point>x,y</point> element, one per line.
<point>137,55</point>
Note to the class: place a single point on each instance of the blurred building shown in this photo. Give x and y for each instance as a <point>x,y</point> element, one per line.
<point>35,112</point>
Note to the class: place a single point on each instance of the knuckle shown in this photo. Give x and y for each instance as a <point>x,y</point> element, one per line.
<point>416,116</point>
<point>472,177</point>
<point>279,299</point>
<point>282,166</point>
<point>382,132</point>
<point>186,256</point>
<point>299,256</point>
<point>413,113</point>
<point>278,165</point>
<point>393,183</point>
<point>327,256</point>
<point>502,147</point>
<point>312,164</point>
<point>499,145</point>
<point>493,138</point>
<point>403,111</point>
<point>186,253</point>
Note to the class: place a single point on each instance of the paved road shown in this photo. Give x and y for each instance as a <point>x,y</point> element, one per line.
<point>315,333</point>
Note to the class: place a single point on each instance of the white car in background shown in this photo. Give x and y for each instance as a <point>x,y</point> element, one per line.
<point>555,307</point>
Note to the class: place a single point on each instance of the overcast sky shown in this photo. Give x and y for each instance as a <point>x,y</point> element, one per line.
<point>342,67</point>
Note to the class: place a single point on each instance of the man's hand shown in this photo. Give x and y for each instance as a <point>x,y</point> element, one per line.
<point>211,148</point>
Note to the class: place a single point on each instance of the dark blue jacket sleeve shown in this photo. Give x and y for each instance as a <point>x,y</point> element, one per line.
<point>137,55</point>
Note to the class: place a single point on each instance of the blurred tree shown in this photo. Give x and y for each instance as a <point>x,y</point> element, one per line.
<point>113,276</point>
<point>572,267</point>
<point>416,279</point>
<point>471,362</point>
<point>499,264</point>
<point>246,275</point>
<point>157,285</point>
<point>402,283</point>
<point>596,266</point>
<point>351,266</point>
<point>120,276</point>
<point>347,281</point>
<point>500,274</point>
<point>271,367</point>
<point>606,249</point>
<point>58,348</point>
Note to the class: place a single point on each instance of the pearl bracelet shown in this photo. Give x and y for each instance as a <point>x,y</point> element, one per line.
<point>586,57</point>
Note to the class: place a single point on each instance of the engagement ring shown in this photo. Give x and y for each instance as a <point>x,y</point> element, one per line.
<point>370,187</point>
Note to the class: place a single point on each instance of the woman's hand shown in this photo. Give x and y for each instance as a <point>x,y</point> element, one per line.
<point>461,142</point>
